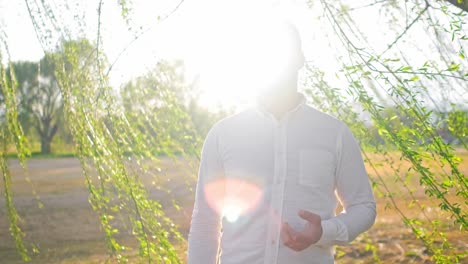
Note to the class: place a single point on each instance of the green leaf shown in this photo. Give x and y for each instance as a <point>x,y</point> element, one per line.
<point>454,67</point>
<point>406,68</point>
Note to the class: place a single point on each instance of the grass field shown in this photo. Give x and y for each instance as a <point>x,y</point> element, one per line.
<point>58,219</point>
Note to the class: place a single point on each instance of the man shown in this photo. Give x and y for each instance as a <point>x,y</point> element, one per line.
<point>299,161</point>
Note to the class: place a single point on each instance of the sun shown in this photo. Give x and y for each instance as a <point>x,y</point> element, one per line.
<point>239,53</point>
<point>231,49</point>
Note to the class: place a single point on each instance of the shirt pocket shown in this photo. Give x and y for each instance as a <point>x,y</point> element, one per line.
<point>316,168</point>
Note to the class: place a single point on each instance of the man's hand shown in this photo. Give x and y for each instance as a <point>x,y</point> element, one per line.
<point>311,233</point>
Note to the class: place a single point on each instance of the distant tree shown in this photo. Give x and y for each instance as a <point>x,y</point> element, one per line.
<point>150,100</point>
<point>39,100</point>
<point>153,101</point>
<point>452,125</point>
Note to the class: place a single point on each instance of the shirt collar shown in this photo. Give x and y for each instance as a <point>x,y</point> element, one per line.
<point>262,109</point>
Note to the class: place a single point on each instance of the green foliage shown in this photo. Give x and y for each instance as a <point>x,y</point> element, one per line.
<point>11,132</point>
<point>157,104</point>
<point>112,139</point>
<point>392,104</point>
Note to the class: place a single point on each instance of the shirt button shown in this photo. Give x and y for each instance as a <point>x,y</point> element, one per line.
<point>273,242</point>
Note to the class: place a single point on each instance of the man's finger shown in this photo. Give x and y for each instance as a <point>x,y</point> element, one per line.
<point>293,239</point>
<point>291,232</point>
<point>302,239</point>
<point>292,245</point>
<point>309,216</point>
<point>296,246</point>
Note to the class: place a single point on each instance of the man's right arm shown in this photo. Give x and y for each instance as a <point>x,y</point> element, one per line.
<point>204,235</point>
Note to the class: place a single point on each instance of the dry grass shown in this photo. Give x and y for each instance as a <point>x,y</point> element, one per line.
<point>66,230</point>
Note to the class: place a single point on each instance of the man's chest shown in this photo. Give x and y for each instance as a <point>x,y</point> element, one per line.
<point>295,160</point>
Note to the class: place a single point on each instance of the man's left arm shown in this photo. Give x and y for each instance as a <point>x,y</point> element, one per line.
<point>354,192</point>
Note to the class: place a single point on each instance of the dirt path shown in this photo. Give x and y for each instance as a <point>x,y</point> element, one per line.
<point>57,217</point>
<point>56,214</point>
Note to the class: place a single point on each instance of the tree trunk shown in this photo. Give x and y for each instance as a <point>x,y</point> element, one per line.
<point>45,145</point>
<point>462,4</point>
<point>47,134</point>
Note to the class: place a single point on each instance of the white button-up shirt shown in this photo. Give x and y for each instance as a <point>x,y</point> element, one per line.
<point>305,161</point>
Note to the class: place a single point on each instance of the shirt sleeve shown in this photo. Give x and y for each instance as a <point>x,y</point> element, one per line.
<point>205,227</point>
<point>354,192</point>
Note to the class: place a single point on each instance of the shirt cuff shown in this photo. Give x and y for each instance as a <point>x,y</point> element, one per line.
<point>333,232</point>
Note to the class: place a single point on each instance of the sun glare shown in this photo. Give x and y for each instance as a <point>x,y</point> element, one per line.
<point>240,55</point>
<point>231,213</point>
<point>233,197</point>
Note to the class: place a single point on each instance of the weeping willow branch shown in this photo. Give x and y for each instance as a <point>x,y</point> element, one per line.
<point>361,62</point>
<point>406,29</point>
<point>11,131</point>
<point>140,35</point>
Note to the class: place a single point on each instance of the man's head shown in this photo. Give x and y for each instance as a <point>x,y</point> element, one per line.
<point>293,44</point>
<point>282,52</point>
<point>294,56</point>
<point>261,52</point>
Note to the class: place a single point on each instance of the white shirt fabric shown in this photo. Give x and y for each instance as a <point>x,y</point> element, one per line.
<point>305,161</point>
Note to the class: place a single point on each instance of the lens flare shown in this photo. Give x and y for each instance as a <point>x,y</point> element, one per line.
<point>233,197</point>
<point>231,212</point>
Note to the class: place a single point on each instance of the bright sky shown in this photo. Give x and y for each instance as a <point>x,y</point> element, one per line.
<point>184,35</point>
<point>180,36</point>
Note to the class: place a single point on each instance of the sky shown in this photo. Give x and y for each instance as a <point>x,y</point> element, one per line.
<point>180,36</point>
<point>184,35</point>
